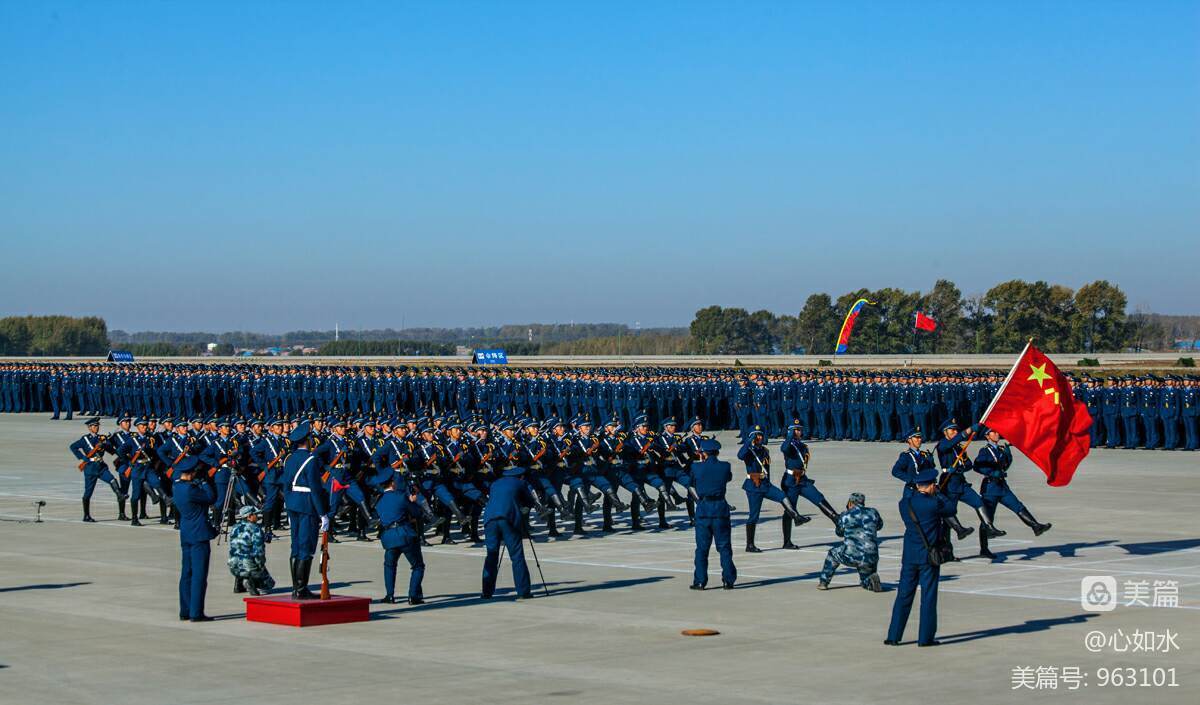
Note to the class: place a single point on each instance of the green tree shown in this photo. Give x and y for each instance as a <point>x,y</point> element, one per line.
<point>944,303</point>
<point>1099,325</point>
<point>817,325</point>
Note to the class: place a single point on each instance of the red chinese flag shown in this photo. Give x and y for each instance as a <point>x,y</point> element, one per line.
<point>1037,412</point>
<point>925,322</point>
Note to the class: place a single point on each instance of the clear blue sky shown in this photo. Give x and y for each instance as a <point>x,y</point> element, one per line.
<point>272,166</point>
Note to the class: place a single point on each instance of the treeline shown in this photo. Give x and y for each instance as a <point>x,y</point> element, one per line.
<point>506,336</point>
<point>53,336</point>
<point>640,344</point>
<point>1092,319</point>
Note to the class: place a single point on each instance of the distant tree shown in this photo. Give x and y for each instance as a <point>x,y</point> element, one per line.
<point>1100,324</point>
<point>944,303</point>
<point>817,325</point>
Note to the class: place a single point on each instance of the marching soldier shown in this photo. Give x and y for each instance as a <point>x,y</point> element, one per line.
<point>993,462</point>
<point>758,486</point>
<point>796,482</point>
<point>90,450</point>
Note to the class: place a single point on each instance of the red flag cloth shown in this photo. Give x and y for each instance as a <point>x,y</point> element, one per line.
<point>1037,412</point>
<point>338,487</point>
<point>925,322</point>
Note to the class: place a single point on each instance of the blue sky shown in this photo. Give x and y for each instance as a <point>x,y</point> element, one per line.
<point>273,166</point>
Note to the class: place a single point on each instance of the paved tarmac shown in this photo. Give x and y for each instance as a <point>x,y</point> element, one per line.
<point>88,612</point>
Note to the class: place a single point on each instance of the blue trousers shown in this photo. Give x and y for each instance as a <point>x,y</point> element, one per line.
<point>497,532</point>
<point>1111,434</point>
<point>391,556</point>
<point>1192,431</point>
<point>708,530</point>
<point>910,577</point>
<point>305,529</point>
<point>1131,430</point>
<point>806,489</point>
<point>1007,498</point>
<point>139,477</point>
<point>193,579</point>
<point>92,472</point>
<point>755,499</point>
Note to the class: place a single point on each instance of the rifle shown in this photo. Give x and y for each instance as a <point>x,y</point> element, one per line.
<point>134,459</point>
<point>98,448</point>
<point>324,565</point>
<point>171,470</point>
<point>337,459</point>
<point>757,477</point>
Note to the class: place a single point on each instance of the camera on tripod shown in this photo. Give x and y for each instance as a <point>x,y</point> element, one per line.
<point>38,504</point>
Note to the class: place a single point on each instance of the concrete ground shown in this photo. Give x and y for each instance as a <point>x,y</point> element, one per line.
<point>88,612</point>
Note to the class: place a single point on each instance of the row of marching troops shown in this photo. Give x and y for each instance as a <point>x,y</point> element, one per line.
<point>574,469</point>
<point>834,405</point>
<point>1143,412</point>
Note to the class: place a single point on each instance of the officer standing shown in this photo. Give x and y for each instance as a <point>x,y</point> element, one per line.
<point>713,524</point>
<point>398,515</point>
<point>924,513</point>
<point>503,524</point>
<point>193,496</point>
<point>308,507</point>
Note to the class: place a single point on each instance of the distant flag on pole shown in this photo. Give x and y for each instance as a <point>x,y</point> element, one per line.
<point>925,322</point>
<point>848,325</point>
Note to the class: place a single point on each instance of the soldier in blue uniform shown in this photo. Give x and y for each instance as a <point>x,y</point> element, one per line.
<point>193,496</point>
<point>1168,412</point>
<point>503,525</point>
<point>1189,400</point>
<point>758,486</point>
<point>398,534</point>
<point>796,482</point>
<point>90,450</point>
<point>142,478</point>
<point>923,512</point>
<point>1129,413</point>
<point>1110,409</point>
<point>308,507</point>
<point>951,453</point>
<point>1148,410</point>
<point>993,462</point>
<point>912,461</point>
<point>711,476</point>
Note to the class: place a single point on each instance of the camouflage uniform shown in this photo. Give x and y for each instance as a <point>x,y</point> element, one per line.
<point>860,547</point>
<point>248,554</point>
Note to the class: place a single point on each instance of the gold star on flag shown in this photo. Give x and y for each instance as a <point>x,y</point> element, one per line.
<point>1039,374</point>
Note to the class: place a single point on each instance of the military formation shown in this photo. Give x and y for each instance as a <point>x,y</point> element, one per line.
<point>1142,412</point>
<point>438,453</point>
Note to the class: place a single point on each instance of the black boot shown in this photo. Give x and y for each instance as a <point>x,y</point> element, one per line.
<point>787,535</point>
<point>614,502</point>
<point>294,569</point>
<point>142,508</point>
<point>557,502</point>
<point>1038,528</point>
<point>983,546</point>
<point>239,585</point>
<point>134,521</point>
<point>959,530</point>
<point>475,527</point>
<point>665,497</point>
<point>635,516</point>
<point>87,511</point>
<point>446,540</point>
<point>432,521</point>
<point>252,587</point>
<point>463,522</point>
<point>790,510</point>
<point>647,503</point>
<point>304,568</point>
<point>551,527</point>
<point>662,513</point>
<point>162,512</point>
<point>578,528</point>
<point>987,527</point>
<point>121,506</point>
<point>606,515</point>
<point>750,547</point>
<point>828,511</point>
<point>691,511</point>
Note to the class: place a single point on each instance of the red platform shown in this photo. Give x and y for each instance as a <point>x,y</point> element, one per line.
<point>282,609</point>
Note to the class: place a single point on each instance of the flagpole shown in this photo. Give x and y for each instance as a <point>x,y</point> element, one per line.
<point>1007,379</point>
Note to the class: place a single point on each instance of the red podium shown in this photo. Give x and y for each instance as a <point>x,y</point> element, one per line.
<point>282,609</point>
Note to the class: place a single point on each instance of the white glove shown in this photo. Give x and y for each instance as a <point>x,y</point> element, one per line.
<point>324,524</point>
